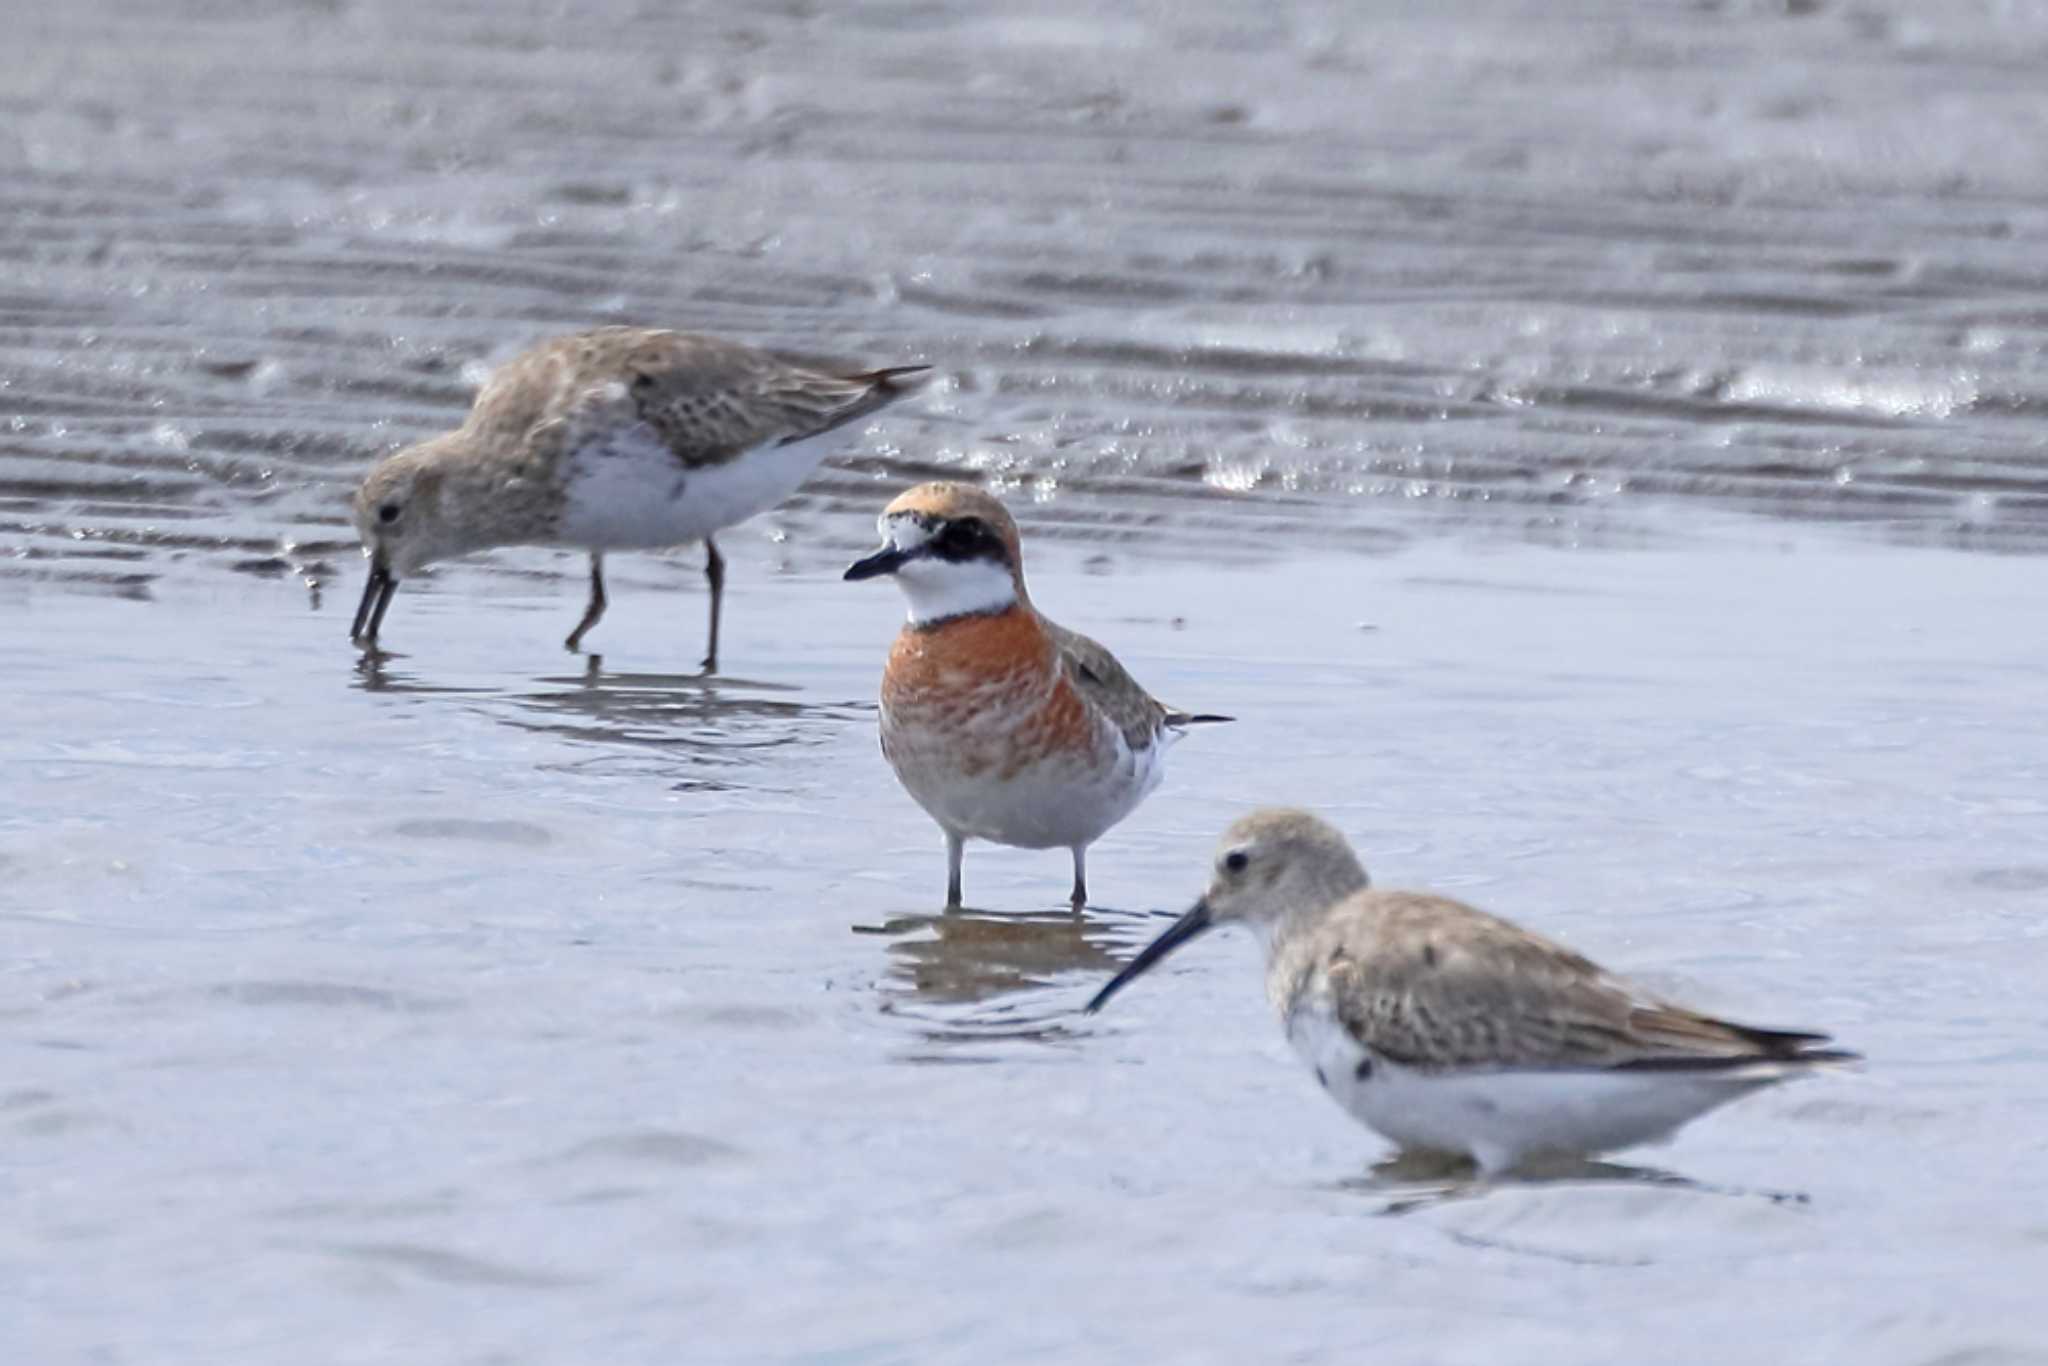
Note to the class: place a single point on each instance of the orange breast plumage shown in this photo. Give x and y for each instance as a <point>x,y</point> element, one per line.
<point>988,689</point>
<point>986,731</point>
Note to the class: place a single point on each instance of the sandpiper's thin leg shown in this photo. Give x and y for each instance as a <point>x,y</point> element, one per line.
<point>956,847</point>
<point>595,611</point>
<point>1080,893</point>
<point>714,574</point>
<point>378,590</point>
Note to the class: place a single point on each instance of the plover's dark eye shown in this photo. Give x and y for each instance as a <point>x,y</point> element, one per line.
<point>1237,860</point>
<point>388,513</point>
<point>964,538</point>
<point>955,539</point>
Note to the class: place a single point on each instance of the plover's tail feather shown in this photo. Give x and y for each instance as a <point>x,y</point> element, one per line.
<point>1180,720</point>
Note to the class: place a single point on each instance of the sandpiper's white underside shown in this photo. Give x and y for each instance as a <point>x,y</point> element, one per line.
<point>1499,1117</point>
<point>627,491</point>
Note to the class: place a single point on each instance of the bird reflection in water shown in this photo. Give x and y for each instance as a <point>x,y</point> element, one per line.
<point>704,732</point>
<point>971,977</point>
<point>695,709</point>
<point>960,957</point>
<point>375,672</point>
<point>1415,1181</point>
<point>720,726</point>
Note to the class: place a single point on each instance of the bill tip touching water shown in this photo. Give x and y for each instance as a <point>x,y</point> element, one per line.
<point>1001,724</point>
<point>1449,1030</point>
<point>620,438</point>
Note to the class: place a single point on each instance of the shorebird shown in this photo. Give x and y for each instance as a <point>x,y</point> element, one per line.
<point>1452,1031</point>
<point>622,438</point>
<point>1002,725</point>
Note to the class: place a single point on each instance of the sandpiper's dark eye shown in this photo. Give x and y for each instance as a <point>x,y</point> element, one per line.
<point>388,513</point>
<point>1237,860</point>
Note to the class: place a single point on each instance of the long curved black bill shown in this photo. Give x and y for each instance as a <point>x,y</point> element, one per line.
<point>1180,932</point>
<point>884,561</point>
<point>377,594</point>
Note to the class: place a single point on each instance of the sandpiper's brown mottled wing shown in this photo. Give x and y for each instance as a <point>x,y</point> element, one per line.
<point>1435,984</point>
<point>1096,675</point>
<point>709,400</point>
<point>712,400</point>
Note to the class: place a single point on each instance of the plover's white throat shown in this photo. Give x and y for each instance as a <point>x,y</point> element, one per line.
<point>1002,725</point>
<point>624,438</point>
<point>1449,1030</point>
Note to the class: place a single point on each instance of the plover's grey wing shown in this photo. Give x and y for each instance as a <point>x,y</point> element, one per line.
<point>1431,983</point>
<point>1107,685</point>
<point>1098,676</point>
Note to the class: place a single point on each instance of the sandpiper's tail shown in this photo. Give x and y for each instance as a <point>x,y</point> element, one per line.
<point>1181,720</point>
<point>893,377</point>
<point>1690,1042</point>
<point>834,400</point>
<point>1794,1045</point>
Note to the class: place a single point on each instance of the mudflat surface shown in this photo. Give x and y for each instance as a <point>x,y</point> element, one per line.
<point>1597,455</point>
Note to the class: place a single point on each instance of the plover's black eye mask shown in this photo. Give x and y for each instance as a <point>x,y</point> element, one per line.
<point>969,538</point>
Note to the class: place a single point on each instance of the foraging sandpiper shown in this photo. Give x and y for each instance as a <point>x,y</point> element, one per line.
<point>623,438</point>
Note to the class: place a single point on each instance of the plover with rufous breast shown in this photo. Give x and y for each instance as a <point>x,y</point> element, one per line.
<point>622,438</point>
<point>1450,1031</point>
<point>1002,725</point>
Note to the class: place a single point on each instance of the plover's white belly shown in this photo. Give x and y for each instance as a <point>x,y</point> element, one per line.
<point>1059,801</point>
<point>628,491</point>
<point>1501,1117</point>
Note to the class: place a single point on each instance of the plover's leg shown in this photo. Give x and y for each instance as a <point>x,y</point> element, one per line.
<point>1080,893</point>
<point>714,573</point>
<point>956,847</point>
<point>592,613</point>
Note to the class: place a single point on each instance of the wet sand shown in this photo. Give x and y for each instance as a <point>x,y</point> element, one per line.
<point>1202,275</point>
<point>1597,456</point>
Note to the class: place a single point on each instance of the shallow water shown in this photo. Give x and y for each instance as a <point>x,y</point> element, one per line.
<point>1570,444</point>
<point>476,1010</point>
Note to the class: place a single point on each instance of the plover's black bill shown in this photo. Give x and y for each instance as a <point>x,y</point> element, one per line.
<point>887,560</point>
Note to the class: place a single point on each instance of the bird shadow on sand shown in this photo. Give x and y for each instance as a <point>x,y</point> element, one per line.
<point>968,977</point>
